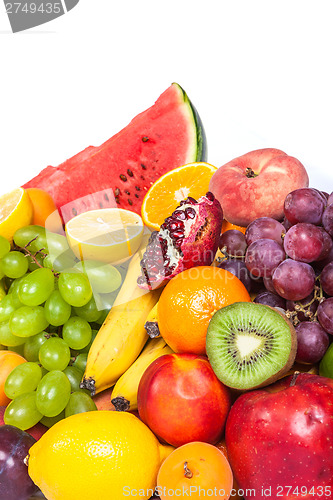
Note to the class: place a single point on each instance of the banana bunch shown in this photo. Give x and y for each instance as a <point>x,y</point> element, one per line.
<point>124,394</point>
<point>122,336</point>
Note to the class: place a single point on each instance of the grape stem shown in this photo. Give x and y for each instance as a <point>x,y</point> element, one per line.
<point>27,252</point>
<point>318,296</point>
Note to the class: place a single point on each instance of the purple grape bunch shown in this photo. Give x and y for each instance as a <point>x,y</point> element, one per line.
<point>289,264</point>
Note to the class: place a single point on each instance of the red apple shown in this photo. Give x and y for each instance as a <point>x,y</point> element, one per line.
<point>256,184</point>
<point>280,440</point>
<point>36,431</point>
<point>181,400</point>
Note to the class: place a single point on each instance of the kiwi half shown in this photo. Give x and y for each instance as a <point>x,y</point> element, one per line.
<point>250,345</point>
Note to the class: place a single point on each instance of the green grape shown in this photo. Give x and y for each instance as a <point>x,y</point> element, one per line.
<point>53,392</point>
<point>33,265</point>
<point>74,288</point>
<point>93,336</point>
<point>104,278</point>
<point>49,421</point>
<point>54,354</point>
<point>1,271</point>
<point>33,344</point>
<point>64,261</point>
<point>13,291</point>
<point>14,264</point>
<point>19,349</point>
<point>36,287</point>
<point>74,375</point>
<point>57,310</point>
<point>81,361</point>
<point>27,321</point>
<point>79,402</point>
<point>4,246</point>
<point>7,338</point>
<point>22,411</point>
<point>23,378</point>
<point>90,311</point>
<point>76,332</point>
<point>7,306</point>
<point>56,244</point>
<point>32,237</point>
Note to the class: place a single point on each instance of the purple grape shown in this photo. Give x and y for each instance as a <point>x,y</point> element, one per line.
<point>327,219</point>
<point>15,483</point>
<point>268,282</point>
<point>304,242</point>
<point>305,308</point>
<point>326,279</point>
<point>286,224</point>
<point>239,269</point>
<point>312,342</point>
<point>264,227</point>
<point>327,244</point>
<point>294,280</point>
<point>270,299</point>
<point>325,314</point>
<point>330,199</point>
<point>263,256</point>
<point>233,242</point>
<point>304,205</point>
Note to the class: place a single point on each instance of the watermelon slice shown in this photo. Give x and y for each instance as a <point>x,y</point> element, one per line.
<point>120,171</point>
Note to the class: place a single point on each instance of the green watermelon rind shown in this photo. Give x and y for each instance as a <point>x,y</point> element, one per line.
<point>200,140</point>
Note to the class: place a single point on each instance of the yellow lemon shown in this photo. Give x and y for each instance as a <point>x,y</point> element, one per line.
<point>109,234</point>
<point>16,210</point>
<point>105,455</point>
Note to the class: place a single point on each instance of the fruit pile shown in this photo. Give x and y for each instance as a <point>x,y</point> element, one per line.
<point>200,366</point>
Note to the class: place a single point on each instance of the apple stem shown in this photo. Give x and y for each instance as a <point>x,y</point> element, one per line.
<point>294,378</point>
<point>250,173</point>
<point>187,472</point>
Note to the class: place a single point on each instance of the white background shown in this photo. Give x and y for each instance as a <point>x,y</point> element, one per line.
<point>259,73</point>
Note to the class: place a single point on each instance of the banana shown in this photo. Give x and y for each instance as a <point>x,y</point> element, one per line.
<point>151,323</point>
<point>122,335</point>
<point>124,394</point>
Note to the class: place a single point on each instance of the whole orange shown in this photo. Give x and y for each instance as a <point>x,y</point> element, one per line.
<point>197,470</point>
<point>8,361</point>
<point>45,211</point>
<point>189,301</point>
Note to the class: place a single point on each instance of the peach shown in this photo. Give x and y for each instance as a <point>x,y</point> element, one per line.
<point>181,400</point>
<point>256,184</point>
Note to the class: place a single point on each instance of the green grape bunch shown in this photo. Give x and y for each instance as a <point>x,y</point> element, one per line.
<point>50,312</point>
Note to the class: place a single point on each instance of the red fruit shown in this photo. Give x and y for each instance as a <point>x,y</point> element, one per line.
<point>119,172</point>
<point>181,400</point>
<point>188,238</point>
<point>280,443</point>
<point>256,184</point>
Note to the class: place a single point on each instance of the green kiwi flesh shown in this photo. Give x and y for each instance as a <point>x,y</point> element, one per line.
<point>250,345</point>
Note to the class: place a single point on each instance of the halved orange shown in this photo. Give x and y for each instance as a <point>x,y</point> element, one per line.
<point>227,225</point>
<point>16,211</point>
<point>164,196</point>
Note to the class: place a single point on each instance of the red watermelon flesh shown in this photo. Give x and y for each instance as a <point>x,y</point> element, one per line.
<point>120,171</point>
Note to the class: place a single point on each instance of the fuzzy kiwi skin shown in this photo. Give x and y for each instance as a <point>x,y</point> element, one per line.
<point>289,363</point>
